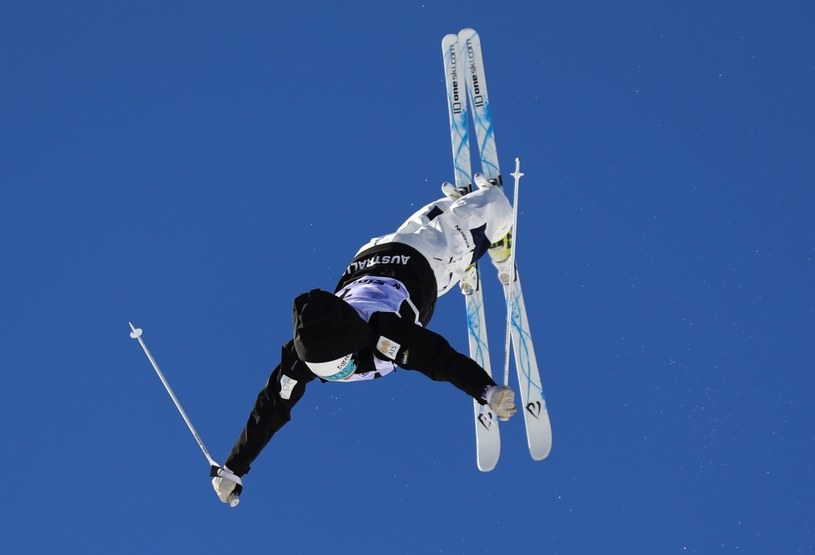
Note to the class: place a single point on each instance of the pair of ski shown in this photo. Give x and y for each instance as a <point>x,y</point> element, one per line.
<point>466,84</point>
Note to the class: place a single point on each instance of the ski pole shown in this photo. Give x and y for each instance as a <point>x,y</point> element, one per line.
<point>215,468</point>
<point>517,174</point>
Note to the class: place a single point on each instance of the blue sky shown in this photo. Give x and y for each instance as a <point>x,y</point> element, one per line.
<point>194,166</point>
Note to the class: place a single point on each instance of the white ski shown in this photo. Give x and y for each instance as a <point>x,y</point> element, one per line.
<point>536,415</point>
<point>487,436</point>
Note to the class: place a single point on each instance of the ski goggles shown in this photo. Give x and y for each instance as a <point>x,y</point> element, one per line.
<point>334,370</point>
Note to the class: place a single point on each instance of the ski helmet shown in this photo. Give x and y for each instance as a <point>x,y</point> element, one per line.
<point>327,333</point>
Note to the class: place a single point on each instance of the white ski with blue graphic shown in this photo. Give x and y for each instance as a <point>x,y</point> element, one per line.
<point>487,436</point>
<point>536,415</point>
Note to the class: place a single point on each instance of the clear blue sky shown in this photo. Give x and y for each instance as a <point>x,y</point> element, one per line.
<point>192,166</point>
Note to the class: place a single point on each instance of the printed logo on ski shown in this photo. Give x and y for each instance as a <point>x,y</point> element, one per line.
<point>485,418</point>
<point>535,408</point>
<point>456,106</point>
<point>478,100</point>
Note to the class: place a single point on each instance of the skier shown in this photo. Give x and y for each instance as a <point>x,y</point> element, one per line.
<point>375,320</point>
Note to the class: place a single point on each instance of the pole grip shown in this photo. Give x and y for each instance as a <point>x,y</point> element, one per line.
<point>234,497</point>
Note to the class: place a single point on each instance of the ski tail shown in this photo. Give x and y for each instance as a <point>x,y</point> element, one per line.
<point>536,415</point>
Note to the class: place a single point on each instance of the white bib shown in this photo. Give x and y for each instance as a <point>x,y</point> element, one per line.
<point>371,294</point>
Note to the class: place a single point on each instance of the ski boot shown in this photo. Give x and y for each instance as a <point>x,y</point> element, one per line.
<point>469,281</point>
<point>481,182</point>
<point>452,192</point>
<point>500,252</point>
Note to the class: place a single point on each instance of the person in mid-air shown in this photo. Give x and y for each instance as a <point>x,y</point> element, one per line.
<point>375,320</point>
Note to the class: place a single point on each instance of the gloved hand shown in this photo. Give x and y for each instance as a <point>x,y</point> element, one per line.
<point>501,400</point>
<point>227,485</point>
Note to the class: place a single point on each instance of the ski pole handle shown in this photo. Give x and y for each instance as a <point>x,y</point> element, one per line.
<point>234,497</point>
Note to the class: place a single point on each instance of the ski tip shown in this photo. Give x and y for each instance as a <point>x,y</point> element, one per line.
<point>448,40</point>
<point>468,33</point>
